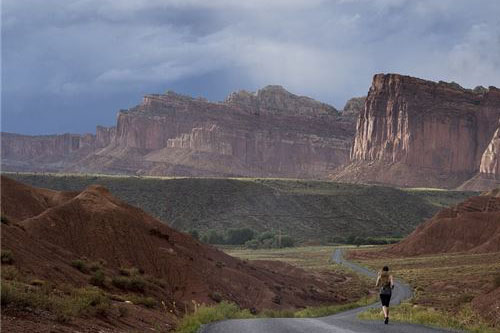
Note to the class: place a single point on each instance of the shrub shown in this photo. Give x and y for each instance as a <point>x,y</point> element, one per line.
<point>194,233</point>
<point>95,266</point>
<point>252,244</point>
<point>239,236</point>
<point>134,283</point>
<point>287,241</point>
<point>7,257</point>
<point>10,273</point>
<point>137,284</point>
<point>213,237</point>
<point>80,265</point>
<point>122,311</point>
<point>121,282</point>
<point>97,279</point>
<point>88,301</point>
<point>265,235</point>
<point>4,220</point>
<point>148,302</point>
<point>216,297</point>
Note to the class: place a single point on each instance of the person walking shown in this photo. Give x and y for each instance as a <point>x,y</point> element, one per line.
<point>386,283</point>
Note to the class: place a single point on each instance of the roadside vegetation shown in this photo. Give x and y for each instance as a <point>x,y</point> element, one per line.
<point>224,310</point>
<point>444,287</point>
<point>465,319</point>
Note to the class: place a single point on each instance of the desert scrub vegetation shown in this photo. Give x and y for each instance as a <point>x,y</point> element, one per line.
<point>134,283</point>
<point>7,257</point>
<point>98,279</point>
<point>465,320</point>
<point>87,301</point>
<point>80,265</point>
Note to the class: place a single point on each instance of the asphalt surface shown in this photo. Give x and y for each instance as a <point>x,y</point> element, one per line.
<point>344,322</point>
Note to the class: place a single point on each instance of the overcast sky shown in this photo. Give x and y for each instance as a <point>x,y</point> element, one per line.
<point>68,65</point>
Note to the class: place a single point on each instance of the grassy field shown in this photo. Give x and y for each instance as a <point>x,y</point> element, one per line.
<point>306,210</point>
<point>444,286</point>
<point>310,258</point>
<point>306,257</point>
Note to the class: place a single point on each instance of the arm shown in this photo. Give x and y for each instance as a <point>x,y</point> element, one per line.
<point>378,281</point>
<point>392,282</point>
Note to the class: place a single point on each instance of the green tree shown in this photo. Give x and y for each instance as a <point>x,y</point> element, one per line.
<point>239,236</point>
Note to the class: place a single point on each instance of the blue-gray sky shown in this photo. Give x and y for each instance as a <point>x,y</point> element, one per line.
<point>68,65</point>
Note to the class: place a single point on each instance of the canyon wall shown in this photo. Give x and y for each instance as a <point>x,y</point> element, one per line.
<point>414,132</point>
<point>270,133</point>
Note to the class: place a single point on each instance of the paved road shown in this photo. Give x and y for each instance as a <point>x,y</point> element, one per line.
<point>344,322</point>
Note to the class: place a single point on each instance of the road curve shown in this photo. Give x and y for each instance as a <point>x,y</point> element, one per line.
<point>344,322</point>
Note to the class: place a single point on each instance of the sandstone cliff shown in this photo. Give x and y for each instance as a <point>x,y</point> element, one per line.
<point>270,133</point>
<point>489,170</point>
<point>414,132</point>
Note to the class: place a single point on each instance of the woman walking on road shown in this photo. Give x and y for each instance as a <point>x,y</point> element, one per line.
<point>386,284</point>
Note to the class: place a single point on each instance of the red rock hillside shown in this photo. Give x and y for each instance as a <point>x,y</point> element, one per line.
<point>45,231</point>
<point>271,133</point>
<point>421,133</point>
<point>472,226</point>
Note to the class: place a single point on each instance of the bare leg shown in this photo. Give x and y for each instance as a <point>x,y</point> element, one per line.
<point>386,311</point>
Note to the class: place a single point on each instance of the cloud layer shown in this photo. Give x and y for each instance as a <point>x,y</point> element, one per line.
<point>68,65</point>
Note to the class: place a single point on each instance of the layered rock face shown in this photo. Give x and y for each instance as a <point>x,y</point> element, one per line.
<point>414,132</point>
<point>271,133</point>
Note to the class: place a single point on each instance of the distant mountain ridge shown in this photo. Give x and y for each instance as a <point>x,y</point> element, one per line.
<point>270,133</point>
<point>407,132</point>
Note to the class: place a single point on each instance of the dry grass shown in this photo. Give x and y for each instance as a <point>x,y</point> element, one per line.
<point>306,257</point>
<point>312,259</point>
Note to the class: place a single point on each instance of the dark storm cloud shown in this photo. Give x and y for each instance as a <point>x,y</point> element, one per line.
<point>71,64</point>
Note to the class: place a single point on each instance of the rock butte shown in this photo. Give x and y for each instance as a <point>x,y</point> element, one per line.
<point>414,132</point>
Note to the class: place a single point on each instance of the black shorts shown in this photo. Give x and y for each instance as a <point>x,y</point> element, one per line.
<point>385,299</point>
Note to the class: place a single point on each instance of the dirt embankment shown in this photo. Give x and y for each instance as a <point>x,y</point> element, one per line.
<point>472,226</point>
<point>46,231</point>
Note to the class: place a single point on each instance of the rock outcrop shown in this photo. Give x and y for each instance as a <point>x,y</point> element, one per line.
<point>354,106</point>
<point>414,132</point>
<point>489,170</point>
<point>270,133</point>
